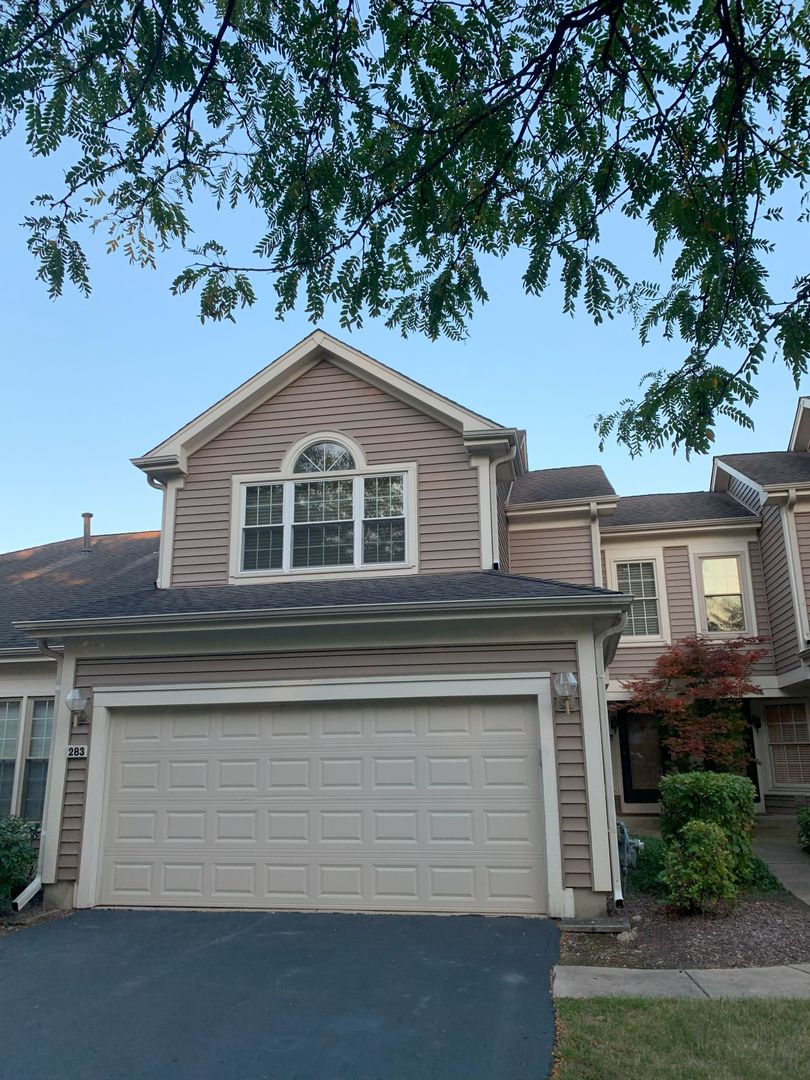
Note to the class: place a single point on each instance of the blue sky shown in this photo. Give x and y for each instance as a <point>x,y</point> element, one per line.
<point>88,384</point>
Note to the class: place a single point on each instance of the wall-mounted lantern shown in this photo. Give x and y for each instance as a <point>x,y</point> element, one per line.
<point>565,690</point>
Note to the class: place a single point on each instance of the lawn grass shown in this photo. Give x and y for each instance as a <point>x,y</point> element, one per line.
<point>636,1039</point>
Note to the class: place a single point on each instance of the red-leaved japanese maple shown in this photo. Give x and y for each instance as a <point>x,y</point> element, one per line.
<point>695,691</point>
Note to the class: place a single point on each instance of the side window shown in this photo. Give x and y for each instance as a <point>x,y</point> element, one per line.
<point>35,775</point>
<point>9,735</point>
<point>638,579</point>
<point>722,594</point>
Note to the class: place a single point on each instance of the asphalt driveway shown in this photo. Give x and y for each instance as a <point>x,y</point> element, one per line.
<point>157,995</point>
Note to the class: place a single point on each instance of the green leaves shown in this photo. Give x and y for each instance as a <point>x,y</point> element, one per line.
<point>387,150</point>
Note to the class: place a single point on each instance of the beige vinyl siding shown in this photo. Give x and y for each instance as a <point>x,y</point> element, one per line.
<point>502,491</point>
<point>563,554</point>
<point>766,665</point>
<point>744,494</point>
<point>679,599</point>
<point>782,616</point>
<point>330,663</point>
<point>636,659</point>
<point>327,399</point>
<point>802,522</point>
<point>70,833</point>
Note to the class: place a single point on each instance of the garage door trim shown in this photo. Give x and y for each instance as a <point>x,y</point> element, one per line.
<point>535,685</point>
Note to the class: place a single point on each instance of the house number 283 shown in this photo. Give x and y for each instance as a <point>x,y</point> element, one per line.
<point>76,751</point>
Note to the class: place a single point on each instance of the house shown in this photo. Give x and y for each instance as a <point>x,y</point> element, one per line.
<point>374,662</point>
<point>320,687</point>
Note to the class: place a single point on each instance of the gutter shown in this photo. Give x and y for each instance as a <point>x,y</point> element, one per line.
<point>587,603</point>
<point>607,764</point>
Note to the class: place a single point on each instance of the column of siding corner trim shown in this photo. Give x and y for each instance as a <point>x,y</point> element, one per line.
<point>795,570</point>
<point>55,784</point>
<point>591,718</point>
<point>596,546</point>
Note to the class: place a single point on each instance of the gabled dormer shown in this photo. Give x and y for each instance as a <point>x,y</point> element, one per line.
<point>328,463</point>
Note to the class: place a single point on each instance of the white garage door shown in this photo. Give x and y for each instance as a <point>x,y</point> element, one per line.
<point>384,806</point>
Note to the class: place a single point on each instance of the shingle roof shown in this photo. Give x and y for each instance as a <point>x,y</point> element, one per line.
<point>675,507</point>
<point>39,580</point>
<point>772,467</point>
<point>280,596</point>
<point>551,485</point>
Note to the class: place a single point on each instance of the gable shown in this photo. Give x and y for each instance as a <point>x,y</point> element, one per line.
<point>168,459</point>
<point>329,398</point>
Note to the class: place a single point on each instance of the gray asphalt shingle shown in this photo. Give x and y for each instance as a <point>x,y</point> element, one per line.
<point>552,485</point>
<point>673,507</point>
<point>774,467</point>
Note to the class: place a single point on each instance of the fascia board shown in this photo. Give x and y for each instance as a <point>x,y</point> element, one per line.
<point>731,524</point>
<point>603,502</point>
<point>607,603</point>
<point>288,367</point>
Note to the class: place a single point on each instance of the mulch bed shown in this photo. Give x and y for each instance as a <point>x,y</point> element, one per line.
<point>30,915</point>
<point>759,932</point>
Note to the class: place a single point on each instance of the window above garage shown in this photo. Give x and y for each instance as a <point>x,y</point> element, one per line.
<point>327,511</point>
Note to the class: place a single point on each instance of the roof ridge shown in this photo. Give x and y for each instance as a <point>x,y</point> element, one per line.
<point>74,539</point>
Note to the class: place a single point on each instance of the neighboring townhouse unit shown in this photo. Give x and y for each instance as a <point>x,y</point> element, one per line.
<point>367,663</point>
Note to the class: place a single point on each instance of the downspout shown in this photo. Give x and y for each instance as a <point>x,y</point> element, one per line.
<point>493,480</point>
<point>607,764</point>
<point>35,884</point>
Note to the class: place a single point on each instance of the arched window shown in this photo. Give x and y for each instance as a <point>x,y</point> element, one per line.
<point>321,457</point>
<point>327,510</point>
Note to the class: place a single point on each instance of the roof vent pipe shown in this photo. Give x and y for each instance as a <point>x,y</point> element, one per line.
<point>87,543</point>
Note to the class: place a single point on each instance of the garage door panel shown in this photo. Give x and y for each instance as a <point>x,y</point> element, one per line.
<point>390,806</point>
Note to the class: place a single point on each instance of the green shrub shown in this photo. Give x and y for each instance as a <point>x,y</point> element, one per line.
<point>760,879</point>
<point>18,857</point>
<point>699,872</point>
<point>645,876</point>
<point>722,799</point>
<point>803,818</point>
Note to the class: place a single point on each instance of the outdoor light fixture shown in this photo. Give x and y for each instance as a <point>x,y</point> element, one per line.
<point>76,701</point>
<point>565,689</point>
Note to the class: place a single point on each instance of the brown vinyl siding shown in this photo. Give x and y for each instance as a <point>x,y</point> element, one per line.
<point>766,665</point>
<point>563,554</point>
<point>502,492</point>
<point>328,399</point>
<point>802,522</point>
<point>330,663</point>
<point>782,616</point>
<point>744,494</point>
<point>679,599</point>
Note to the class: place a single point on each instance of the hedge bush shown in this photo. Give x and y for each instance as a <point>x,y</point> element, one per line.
<point>18,857</point>
<point>645,876</point>
<point>803,819</point>
<point>722,799</point>
<point>699,870</point>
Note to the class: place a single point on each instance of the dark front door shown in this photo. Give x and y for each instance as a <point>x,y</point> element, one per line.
<point>642,757</point>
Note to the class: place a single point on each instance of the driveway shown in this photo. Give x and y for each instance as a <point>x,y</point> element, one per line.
<point>192,995</point>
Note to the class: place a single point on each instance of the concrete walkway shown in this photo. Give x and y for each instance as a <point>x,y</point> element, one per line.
<point>776,844</point>
<point>695,983</point>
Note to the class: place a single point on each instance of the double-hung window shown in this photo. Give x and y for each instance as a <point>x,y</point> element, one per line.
<point>638,579</point>
<point>788,743</point>
<point>26,730</point>
<point>722,594</point>
<point>328,514</point>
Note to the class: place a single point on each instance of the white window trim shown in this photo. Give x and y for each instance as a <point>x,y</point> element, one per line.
<point>656,557</point>
<point>767,759</point>
<point>746,588</point>
<point>240,481</point>
<point>26,702</point>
